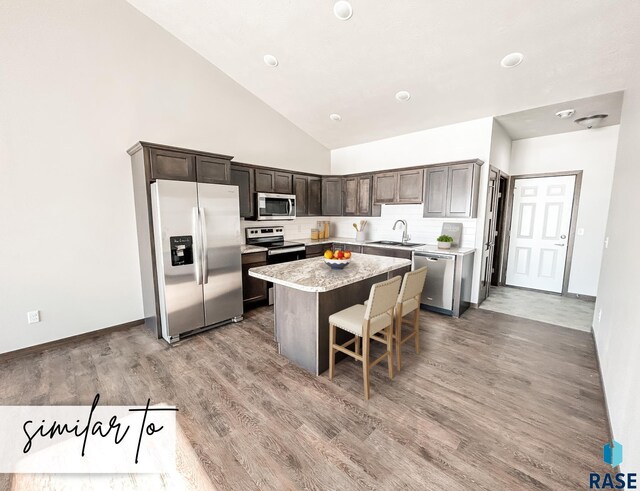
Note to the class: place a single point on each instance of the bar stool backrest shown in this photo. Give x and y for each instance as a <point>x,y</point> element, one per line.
<point>412,284</point>
<point>382,298</point>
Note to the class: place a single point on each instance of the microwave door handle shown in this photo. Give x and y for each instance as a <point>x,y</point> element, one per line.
<point>196,239</point>
<point>205,246</point>
<point>290,210</point>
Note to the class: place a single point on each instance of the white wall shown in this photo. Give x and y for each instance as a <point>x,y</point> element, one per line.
<point>81,81</point>
<point>500,151</point>
<point>460,141</point>
<point>468,140</point>
<point>593,152</point>
<point>618,332</point>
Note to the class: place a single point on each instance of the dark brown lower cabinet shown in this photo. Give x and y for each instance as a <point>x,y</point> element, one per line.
<point>388,252</point>
<point>253,289</point>
<point>316,250</point>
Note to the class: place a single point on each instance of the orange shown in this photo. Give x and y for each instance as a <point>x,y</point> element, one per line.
<point>328,254</point>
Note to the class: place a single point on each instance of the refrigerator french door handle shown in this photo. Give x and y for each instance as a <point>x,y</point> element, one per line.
<point>196,238</point>
<point>205,247</point>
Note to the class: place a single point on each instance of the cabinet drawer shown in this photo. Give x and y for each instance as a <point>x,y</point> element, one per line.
<point>254,257</point>
<point>383,251</point>
<point>316,250</point>
<point>168,164</point>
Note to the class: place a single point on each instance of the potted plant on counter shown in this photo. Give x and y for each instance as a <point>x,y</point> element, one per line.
<point>444,242</point>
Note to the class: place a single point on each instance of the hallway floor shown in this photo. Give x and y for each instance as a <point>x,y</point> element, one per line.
<point>539,306</point>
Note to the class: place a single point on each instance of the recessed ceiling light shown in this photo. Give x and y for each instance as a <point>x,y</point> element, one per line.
<point>342,10</point>
<point>271,60</point>
<point>403,95</point>
<point>335,117</point>
<point>512,60</point>
<point>592,121</point>
<point>566,113</point>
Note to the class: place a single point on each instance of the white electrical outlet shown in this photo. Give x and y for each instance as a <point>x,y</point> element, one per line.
<point>599,315</point>
<point>33,316</point>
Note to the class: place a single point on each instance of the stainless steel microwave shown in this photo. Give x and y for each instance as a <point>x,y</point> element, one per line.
<point>272,206</point>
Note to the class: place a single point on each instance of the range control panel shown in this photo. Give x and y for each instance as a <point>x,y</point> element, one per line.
<point>258,232</point>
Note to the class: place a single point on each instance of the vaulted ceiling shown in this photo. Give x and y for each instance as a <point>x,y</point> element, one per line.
<point>445,53</point>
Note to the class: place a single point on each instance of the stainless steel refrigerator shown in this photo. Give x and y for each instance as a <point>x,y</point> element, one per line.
<point>196,230</point>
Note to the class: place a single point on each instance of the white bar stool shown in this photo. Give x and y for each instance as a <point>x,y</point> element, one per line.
<point>366,322</point>
<point>409,301</point>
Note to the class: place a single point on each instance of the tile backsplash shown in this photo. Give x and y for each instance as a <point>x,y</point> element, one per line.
<point>424,230</point>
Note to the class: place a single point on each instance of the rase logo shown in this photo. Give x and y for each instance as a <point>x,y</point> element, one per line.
<point>612,455</point>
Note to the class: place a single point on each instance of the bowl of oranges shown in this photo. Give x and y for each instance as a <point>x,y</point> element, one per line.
<point>337,259</point>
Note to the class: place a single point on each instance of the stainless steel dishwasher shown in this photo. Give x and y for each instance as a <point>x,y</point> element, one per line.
<point>439,286</point>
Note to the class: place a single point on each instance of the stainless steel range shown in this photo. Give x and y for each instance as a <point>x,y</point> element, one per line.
<point>278,249</point>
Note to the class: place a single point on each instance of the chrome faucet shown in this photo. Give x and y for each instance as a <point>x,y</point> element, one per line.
<point>405,235</point>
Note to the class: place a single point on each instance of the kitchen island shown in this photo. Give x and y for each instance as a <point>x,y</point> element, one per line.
<point>307,292</point>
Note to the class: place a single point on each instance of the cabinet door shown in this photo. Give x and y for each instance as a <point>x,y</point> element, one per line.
<point>365,185</point>
<point>435,191</point>
<point>253,289</point>
<point>243,178</point>
<point>301,190</point>
<point>282,182</point>
<point>314,196</point>
<point>265,181</point>
<point>176,166</point>
<point>459,190</point>
<point>349,196</point>
<point>410,186</point>
<point>385,187</point>
<point>332,196</point>
<point>211,169</point>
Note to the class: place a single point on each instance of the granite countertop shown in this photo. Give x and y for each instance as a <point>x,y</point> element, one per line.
<point>313,275</point>
<point>456,251</point>
<point>248,249</point>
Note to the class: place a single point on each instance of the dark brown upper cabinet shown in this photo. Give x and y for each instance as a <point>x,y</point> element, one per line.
<point>331,196</point>
<point>170,164</point>
<point>212,169</point>
<point>315,197</point>
<point>385,186</point>
<point>462,195</point>
<point>356,195</point>
<point>349,196</point>
<point>265,181</point>
<point>282,182</point>
<point>301,190</point>
<point>398,187</point>
<point>435,191</point>
<point>410,186</point>
<point>452,191</point>
<point>242,176</point>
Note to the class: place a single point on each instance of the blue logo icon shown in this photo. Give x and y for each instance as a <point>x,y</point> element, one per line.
<point>612,453</point>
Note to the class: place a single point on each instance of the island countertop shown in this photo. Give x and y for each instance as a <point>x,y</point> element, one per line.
<point>312,275</point>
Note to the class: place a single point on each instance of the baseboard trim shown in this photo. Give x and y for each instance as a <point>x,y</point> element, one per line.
<point>39,348</point>
<point>604,392</point>
<point>580,296</point>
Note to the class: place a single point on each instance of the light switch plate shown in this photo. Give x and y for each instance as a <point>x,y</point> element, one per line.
<point>33,316</point>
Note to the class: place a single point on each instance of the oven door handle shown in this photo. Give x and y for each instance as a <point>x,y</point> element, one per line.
<point>274,252</point>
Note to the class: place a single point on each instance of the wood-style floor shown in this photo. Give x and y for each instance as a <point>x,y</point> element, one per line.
<point>492,402</point>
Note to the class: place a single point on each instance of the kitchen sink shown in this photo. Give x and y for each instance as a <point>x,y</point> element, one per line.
<point>394,243</point>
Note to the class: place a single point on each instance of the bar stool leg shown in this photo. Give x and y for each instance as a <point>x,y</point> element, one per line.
<point>357,344</point>
<point>332,341</point>
<point>416,328</point>
<point>399,336</point>
<point>389,331</point>
<point>365,365</point>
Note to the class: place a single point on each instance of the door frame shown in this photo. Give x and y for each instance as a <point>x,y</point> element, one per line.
<point>572,227</point>
<point>500,175</point>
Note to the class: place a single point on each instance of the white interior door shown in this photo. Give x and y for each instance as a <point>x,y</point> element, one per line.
<point>540,223</point>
